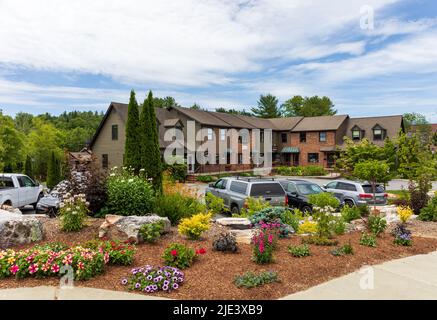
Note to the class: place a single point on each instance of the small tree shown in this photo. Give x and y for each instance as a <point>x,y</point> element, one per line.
<point>53,171</point>
<point>28,167</point>
<point>132,153</point>
<point>373,171</point>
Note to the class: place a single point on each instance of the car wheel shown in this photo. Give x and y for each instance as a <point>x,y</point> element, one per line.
<point>235,210</point>
<point>307,209</point>
<point>349,203</point>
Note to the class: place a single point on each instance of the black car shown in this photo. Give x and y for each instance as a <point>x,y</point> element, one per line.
<point>298,192</point>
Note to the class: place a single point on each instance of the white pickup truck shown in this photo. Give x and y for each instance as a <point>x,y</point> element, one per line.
<point>18,190</point>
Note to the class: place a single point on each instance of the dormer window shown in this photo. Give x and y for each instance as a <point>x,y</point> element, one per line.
<point>356,133</point>
<point>378,133</point>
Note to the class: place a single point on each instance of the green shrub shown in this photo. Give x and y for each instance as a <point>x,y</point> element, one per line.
<point>215,204</point>
<point>338,226</point>
<point>419,193</point>
<point>402,236</point>
<point>313,171</point>
<point>179,256</point>
<point>264,243</point>
<point>319,241</point>
<point>344,250</point>
<point>350,213</point>
<point>225,241</point>
<point>177,172</point>
<point>129,194</point>
<point>299,251</point>
<point>376,224</point>
<point>251,280</point>
<point>177,206</point>
<point>364,210</point>
<point>205,178</point>
<point>150,232</point>
<point>253,206</point>
<point>73,212</point>
<point>272,215</point>
<point>368,240</point>
<point>324,199</point>
<point>429,213</point>
<point>292,218</point>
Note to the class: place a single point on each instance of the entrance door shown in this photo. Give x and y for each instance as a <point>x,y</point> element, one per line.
<point>296,159</point>
<point>190,163</point>
<point>330,159</point>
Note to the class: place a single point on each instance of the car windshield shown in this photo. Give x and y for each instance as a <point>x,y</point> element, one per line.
<point>368,189</point>
<point>309,188</point>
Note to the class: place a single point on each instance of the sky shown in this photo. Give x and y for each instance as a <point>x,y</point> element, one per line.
<point>371,57</point>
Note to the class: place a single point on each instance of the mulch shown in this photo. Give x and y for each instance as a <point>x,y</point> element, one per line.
<point>212,274</point>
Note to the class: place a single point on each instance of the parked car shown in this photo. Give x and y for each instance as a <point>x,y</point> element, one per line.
<point>18,190</point>
<point>298,192</point>
<point>50,203</point>
<point>356,193</point>
<point>235,190</point>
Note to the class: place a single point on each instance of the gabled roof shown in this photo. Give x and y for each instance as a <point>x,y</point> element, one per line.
<point>322,123</point>
<point>203,117</point>
<point>171,122</point>
<point>285,124</point>
<point>392,125</point>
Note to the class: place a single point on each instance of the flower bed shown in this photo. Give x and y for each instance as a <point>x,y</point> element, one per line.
<point>152,279</point>
<point>54,259</point>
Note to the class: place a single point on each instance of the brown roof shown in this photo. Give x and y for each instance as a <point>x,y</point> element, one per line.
<point>285,124</point>
<point>320,123</point>
<point>203,117</point>
<point>171,122</point>
<point>234,121</point>
<point>390,123</point>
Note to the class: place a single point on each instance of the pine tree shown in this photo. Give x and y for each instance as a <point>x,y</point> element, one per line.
<point>150,144</point>
<point>28,167</point>
<point>53,171</point>
<point>132,153</point>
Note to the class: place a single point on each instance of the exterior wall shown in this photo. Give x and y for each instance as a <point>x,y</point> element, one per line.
<point>312,145</point>
<point>105,145</point>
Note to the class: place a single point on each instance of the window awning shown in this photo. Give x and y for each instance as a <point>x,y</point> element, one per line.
<point>290,150</point>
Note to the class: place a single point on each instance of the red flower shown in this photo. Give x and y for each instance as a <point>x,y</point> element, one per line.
<point>174,253</point>
<point>201,251</point>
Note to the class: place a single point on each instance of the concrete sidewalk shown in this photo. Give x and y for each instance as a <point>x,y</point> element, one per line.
<point>75,293</point>
<point>409,278</point>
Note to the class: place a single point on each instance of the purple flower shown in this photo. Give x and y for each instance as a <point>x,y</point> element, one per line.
<point>124,281</point>
<point>137,285</point>
<point>164,287</point>
<point>156,280</point>
<point>155,287</point>
<point>149,277</point>
<point>175,286</point>
<point>166,283</point>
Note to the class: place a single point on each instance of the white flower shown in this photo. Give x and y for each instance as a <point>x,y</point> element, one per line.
<point>131,180</point>
<point>112,174</point>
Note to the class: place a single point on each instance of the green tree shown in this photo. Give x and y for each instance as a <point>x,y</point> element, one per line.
<point>11,144</point>
<point>132,153</point>
<point>53,171</point>
<point>299,106</point>
<point>354,153</point>
<point>409,154</point>
<point>416,124</point>
<point>373,171</point>
<point>167,102</point>
<point>267,107</point>
<point>23,122</point>
<point>28,171</point>
<point>151,155</point>
<point>233,111</point>
<point>195,107</point>
<point>42,140</point>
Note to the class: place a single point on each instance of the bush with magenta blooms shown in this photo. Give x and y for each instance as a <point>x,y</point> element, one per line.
<point>264,242</point>
<point>150,279</point>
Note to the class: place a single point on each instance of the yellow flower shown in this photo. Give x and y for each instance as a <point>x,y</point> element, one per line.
<point>11,260</point>
<point>404,213</point>
<point>307,227</point>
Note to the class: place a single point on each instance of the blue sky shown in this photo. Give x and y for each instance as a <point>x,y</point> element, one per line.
<point>373,57</point>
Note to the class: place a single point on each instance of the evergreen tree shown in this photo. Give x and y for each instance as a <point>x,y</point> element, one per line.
<point>132,151</point>
<point>150,144</point>
<point>28,167</point>
<point>267,107</point>
<point>53,171</point>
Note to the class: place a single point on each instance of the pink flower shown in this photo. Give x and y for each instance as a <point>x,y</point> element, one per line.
<point>55,268</point>
<point>29,258</point>
<point>46,267</point>
<point>261,247</point>
<point>80,265</point>
<point>14,269</point>
<point>106,257</point>
<point>33,268</point>
<point>68,259</point>
<point>270,238</point>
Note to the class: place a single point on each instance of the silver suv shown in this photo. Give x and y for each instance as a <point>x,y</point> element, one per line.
<point>356,193</point>
<point>235,190</point>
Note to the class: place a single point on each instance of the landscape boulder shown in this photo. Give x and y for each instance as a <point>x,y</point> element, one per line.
<point>235,223</point>
<point>127,228</point>
<point>17,229</point>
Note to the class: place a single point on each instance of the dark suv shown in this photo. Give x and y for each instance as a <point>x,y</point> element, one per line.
<point>298,192</point>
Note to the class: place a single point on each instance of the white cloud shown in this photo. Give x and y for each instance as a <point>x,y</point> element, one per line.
<point>191,42</point>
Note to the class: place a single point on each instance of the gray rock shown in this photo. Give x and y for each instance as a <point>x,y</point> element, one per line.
<point>126,228</point>
<point>243,236</point>
<point>16,229</point>
<point>235,223</point>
